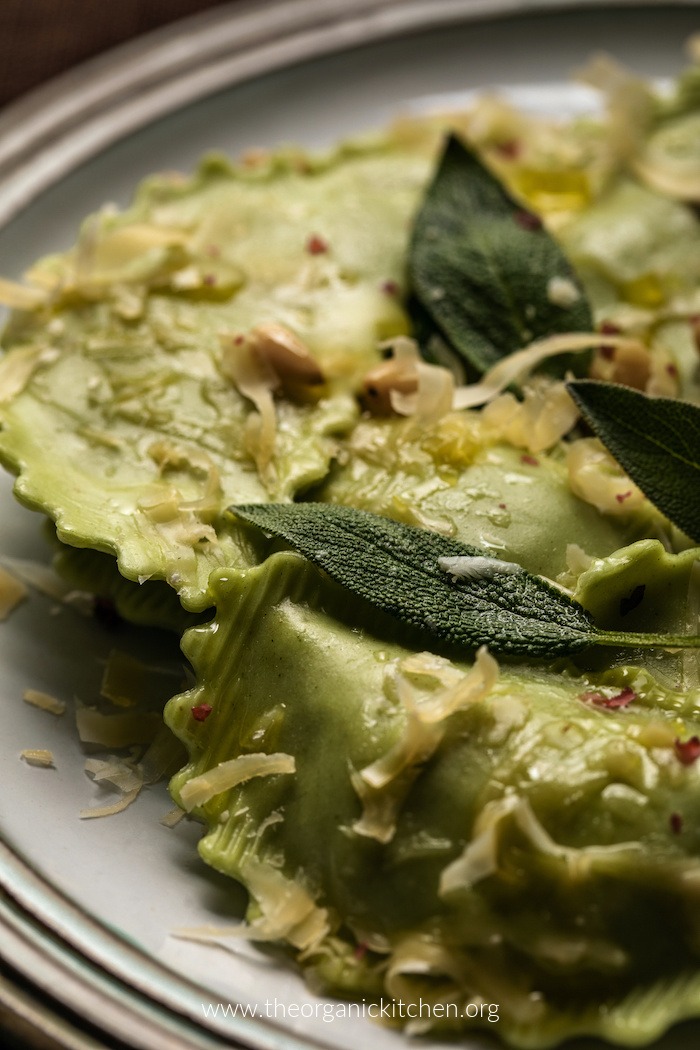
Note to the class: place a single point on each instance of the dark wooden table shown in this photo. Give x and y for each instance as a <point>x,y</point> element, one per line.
<point>41,38</point>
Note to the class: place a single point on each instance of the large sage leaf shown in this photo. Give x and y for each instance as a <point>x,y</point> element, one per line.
<point>471,599</point>
<point>482,266</point>
<point>655,439</point>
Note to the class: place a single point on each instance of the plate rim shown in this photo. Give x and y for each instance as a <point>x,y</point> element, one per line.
<point>54,128</point>
<point>103,978</point>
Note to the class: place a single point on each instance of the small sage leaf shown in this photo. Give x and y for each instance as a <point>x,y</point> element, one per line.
<point>655,439</point>
<point>483,268</point>
<point>459,594</point>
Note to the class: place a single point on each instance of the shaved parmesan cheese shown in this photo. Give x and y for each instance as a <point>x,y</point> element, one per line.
<point>432,398</point>
<point>110,810</point>
<point>81,602</point>
<point>106,256</point>
<point>597,478</point>
<point>287,912</point>
<point>38,757</point>
<point>255,379</point>
<point>409,385</point>
<point>19,296</point>
<point>12,592</point>
<point>379,809</point>
<point>39,576</point>
<point>577,560</point>
<point>481,856</point>
<point>44,701</point>
<point>468,689</point>
<point>383,785</point>
<point>172,817</point>
<point>163,757</point>
<point>514,367</point>
<point>680,180</point>
<point>114,771</point>
<point>115,730</point>
<point>418,963</point>
<point>229,774</point>
<point>16,369</point>
<point>537,422</point>
<point>196,462</point>
<point>479,859</point>
<point>416,744</point>
<point>123,776</point>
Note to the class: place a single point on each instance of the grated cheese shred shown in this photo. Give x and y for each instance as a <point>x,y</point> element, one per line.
<point>12,592</point>
<point>383,785</point>
<point>287,912</point>
<point>44,701</point>
<point>40,757</point>
<point>516,366</point>
<point>112,809</point>
<point>226,775</point>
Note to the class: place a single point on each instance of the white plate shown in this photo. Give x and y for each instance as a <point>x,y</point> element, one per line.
<point>308,71</point>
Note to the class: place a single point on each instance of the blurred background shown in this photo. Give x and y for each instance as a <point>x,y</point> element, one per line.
<point>41,38</point>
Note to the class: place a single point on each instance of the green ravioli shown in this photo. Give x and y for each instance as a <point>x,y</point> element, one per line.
<point>447,478</point>
<point>442,830</point>
<point>117,408</point>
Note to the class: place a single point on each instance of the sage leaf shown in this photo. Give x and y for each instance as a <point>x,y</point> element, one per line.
<point>480,266</point>
<point>456,593</point>
<point>655,439</point>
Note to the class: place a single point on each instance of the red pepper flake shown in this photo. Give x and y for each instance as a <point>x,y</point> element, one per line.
<point>672,370</point>
<point>361,950</point>
<point>676,823</point>
<point>622,699</point>
<point>509,149</point>
<point>687,751</point>
<point>593,698</point>
<point>695,330</point>
<point>390,287</point>
<point>622,496</point>
<point>531,461</point>
<point>238,340</point>
<point>502,506</point>
<point>610,703</point>
<point>527,220</point>
<point>201,712</point>
<point>209,280</point>
<point>608,328</point>
<point>316,245</point>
